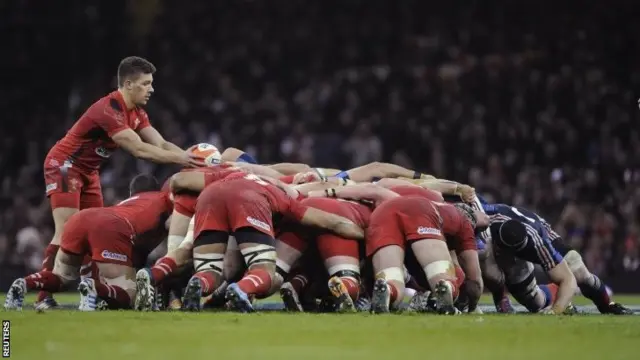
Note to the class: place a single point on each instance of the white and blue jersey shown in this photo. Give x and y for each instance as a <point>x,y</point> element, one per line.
<point>538,248</point>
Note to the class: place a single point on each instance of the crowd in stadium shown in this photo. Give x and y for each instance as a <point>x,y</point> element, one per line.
<point>523,110</point>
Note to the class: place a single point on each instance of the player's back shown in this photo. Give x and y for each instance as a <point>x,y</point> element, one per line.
<point>456,227</point>
<point>503,212</point>
<point>249,188</point>
<point>88,143</point>
<point>355,211</point>
<point>145,211</point>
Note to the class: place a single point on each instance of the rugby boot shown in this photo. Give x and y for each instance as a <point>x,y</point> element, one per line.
<point>381,298</point>
<point>192,295</point>
<point>290,298</point>
<point>341,294</point>
<point>144,300</point>
<point>88,295</point>
<point>239,299</point>
<point>618,309</point>
<point>363,304</point>
<point>421,302</point>
<point>47,303</point>
<point>443,294</point>
<point>15,295</point>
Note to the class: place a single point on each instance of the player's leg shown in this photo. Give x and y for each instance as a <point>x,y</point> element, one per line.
<point>590,284</point>
<point>434,258</point>
<point>112,251</point>
<point>66,269</point>
<point>342,260</point>
<point>289,248</point>
<point>259,252</point>
<point>208,260</point>
<point>493,279</point>
<point>233,270</point>
<point>388,287</point>
<point>521,283</point>
<point>116,286</point>
<point>177,257</point>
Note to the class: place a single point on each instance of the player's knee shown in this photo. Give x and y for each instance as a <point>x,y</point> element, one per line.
<point>208,262</point>
<point>67,273</point>
<point>577,266</point>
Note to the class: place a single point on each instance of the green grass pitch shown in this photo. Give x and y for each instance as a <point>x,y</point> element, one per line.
<point>68,335</point>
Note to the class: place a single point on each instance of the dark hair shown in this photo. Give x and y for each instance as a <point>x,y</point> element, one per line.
<point>143,183</point>
<point>131,67</point>
<point>512,234</point>
<point>468,212</point>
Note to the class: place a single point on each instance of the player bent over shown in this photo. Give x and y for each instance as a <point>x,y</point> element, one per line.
<point>117,120</point>
<point>108,235</point>
<point>341,256</point>
<point>244,207</point>
<point>513,249</point>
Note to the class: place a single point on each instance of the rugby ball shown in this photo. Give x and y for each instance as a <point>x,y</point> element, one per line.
<point>209,153</point>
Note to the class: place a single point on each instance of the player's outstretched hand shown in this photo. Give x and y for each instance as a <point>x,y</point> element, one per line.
<point>307,177</point>
<point>467,193</point>
<point>192,160</point>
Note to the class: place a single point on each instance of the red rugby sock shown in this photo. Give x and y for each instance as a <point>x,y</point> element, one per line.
<point>163,268</point>
<point>208,281</point>
<point>394,293</point>
<point>255,282</point>
<point>47,264</point>
<point>353,288</point>
<point>113,293</point>
<point>44,280</point>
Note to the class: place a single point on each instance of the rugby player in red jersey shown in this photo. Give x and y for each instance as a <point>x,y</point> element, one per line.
<point>244,207</point>
<point>117,238</point>
<point>396,222</point>
<point>341,256</point>
<point>180,239</point>
<point>116,120</point>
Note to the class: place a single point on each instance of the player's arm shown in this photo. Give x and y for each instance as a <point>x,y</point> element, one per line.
<point>337,224</point>
<point>328,183</point>
<point>131,142</point>
<point>256,169</point>
<point>470,264</point>
<point>389,182</point>
<point>447,187</point>
<point>380,170</point>
<point>290,168</point>
<point>357,192</point>
<point>562,276</point>
<point>151,136</point>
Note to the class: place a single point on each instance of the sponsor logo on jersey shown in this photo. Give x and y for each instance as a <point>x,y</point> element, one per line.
<point>106,254</point>
<point>51,187</point>
<point>74,184</point>
<point>136,122</point>
<point>422,230</point>
<point>102,152</point>
<point>259,224</point>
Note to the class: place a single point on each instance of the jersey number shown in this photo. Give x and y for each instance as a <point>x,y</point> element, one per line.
<point>517,212</point>
<point>256,179</point>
